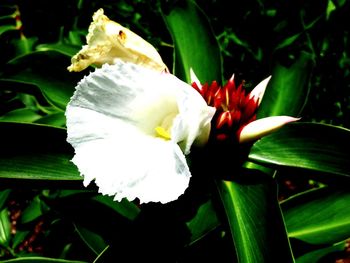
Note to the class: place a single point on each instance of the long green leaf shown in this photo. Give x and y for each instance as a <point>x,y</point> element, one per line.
<point>195,44</point>
<point>319,217</point>
<point>317,255</point>
<point>312,146</point>
<point>41,260</point>
<point>287,91</point>
<point>255,219</point>
<point>35,152</point>
<point>5,227</point>
<point>3,197</point>
<point>48,71</point>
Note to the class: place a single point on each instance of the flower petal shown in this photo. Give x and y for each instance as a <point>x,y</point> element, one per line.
<point>258,92</point>
<point>108,40</point>
<point>259,128</point>
<point>111,122</point>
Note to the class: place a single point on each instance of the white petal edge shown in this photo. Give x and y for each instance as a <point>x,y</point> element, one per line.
<point>262,127</point>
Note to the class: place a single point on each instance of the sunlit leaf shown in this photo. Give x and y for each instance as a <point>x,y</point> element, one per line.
<point>32,211</point>
<point>41,260</point>
<point>317,255</point>
<point>3,197</point>
<point>7,28</point>
<point>255,219</point>
<point>195,44</point>
<point>317,147</point>
<point>55,119</point>
<point>48,71</point>
<point>5,227</point>
<point>288,89</point>
<point>318,217</point>
<point>21,115</point>
<point>66,49</point>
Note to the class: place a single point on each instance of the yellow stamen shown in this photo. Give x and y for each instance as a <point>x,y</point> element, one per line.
<point>162,133</point>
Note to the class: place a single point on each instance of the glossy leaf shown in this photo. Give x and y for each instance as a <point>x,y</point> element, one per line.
<point>48,71</point>
<point>94,241</point>
<point>32,211</point>
<point>55,119</point>
<point>124,207</point>
<point>3,197</point>
<point>66,49</point>
<point>318,217</point>
<point>255,219</point>
<point>36,152</point>
<point>317,255</point>
<point>5,227</point>
<point>311,146</point>
<point>288,88</point>
<point>195,44</point>
<point>7,28</point>
<point>41,260</point>
<point>20,115</point>
<point>204,222</point>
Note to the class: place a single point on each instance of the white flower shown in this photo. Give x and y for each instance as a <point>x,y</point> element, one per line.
<point>108,41</point>
<point>131,128</point>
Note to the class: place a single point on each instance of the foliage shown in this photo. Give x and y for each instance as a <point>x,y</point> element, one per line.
<point>282,199</point>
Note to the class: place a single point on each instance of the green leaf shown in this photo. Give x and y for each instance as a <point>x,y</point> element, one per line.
<point>195,44</point>
<point>3,197</point>
<point>320,216</point>
<point>317,255</point>
<point>36,152</point>
<point>41,260</point>
<point>7,28</point>
<point>48,71</point>
<point>32,211</point>
<point>66,49</point>
<point>124,207</point>
<point>5,227</point>
<point>204,222</point>
<point>55,119</point>
<point>94,241</point>
<point>288,89</point>
<point>317,147</point>
<point>19,237</point>
<point>255,219</point>
<point>21,115</point>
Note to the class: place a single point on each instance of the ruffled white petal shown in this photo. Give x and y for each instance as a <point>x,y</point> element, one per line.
<point>111,122</point>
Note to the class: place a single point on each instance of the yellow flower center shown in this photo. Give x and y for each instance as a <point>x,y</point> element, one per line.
<point>164,129</point>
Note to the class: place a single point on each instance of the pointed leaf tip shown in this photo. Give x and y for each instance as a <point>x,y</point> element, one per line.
<point>194,78</point>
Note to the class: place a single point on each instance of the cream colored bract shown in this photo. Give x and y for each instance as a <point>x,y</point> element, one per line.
<point>108,41</point>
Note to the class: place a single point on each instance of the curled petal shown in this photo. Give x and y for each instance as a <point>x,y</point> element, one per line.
<point>258,92</point>
<point>111,123</point>
<point>259,128</point>
<point>108,41</point>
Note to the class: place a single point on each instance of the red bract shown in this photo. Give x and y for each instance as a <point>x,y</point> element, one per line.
<point>234,108</point>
